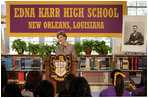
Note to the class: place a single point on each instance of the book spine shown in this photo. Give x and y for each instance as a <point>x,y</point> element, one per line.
<point>27,63</point>
<point>36,64</point>
<point>96,64</point>
<point>6,59</point>
<point>90,63</point>
<point>21,76</point>
<point>131,63</point>
<point>136,63</point>
<point>9,63</point>
<point>22,63</point>
<point>93,62</point>
<point>121,63</point>
<point>142,63</point>
<point>125,64</point>
<point>14,63</point>
<point>83,64</point>
<point>19,63</point>
<point>108,67</point>
<point>118,64</point>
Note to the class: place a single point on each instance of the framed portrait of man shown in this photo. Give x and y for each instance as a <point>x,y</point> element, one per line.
<point>134,34</point>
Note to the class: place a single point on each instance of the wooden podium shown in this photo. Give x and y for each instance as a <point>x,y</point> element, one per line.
<point>48,72</point>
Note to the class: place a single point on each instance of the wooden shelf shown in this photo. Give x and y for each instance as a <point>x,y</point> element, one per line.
<point>131,70</point>
<point>99,84</point>
<point>25,55</point>
<point>94,70</point>
<point>21,83</point>
<point>96,56</point>
<point>24,70</point>
<point>119,55</point>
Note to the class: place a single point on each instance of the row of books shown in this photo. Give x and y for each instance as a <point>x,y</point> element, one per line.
<point>16,77</point>
<point>92,63</point>
<point>94,77</point>
<point>20,77</point>
<point>131,63</point>
<point>22,63</point>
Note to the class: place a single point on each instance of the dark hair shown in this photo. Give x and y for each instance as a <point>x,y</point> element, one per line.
<point>67,81</point>
<point>12,90</point>
<point>119,83</point>
<point>135,26</point>
<point>33,79</point>
<point>62,33</point>
<point>143,83</point>
<point>79,87</point>
<point>4,79</point>
<point>44,89</point>
<point>143,78</point>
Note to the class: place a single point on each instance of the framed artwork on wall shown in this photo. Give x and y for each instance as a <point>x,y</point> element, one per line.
<point>134,34</point>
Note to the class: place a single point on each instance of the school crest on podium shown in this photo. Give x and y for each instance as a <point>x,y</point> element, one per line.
<point>59,66</point>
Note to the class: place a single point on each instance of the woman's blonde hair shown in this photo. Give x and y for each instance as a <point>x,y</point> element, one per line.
<point>62,33</point>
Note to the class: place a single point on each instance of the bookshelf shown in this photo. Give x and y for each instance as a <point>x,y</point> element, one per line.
<point>131,66</point>
<point>96,69</point>
<point>138,67</point>
<point>96,59</point>
<point>18,66</point>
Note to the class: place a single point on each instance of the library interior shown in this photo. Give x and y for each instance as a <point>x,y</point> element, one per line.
<point>74,48</point>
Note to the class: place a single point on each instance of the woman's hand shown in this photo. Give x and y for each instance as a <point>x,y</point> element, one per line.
<point>132,86</point>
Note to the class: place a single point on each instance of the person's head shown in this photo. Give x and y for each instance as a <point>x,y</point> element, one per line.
<point>117,79</point>
<point>79,87</point>
<point>67,80</point>
<point>135,27</point>
<point>33,79</point>
<point>12,90</point>
<point>4,79</point>
<point>61,36</point>
<point>143,78</point>
<point>44,89</point>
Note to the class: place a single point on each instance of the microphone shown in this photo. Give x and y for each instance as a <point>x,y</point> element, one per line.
<point>63,45</point>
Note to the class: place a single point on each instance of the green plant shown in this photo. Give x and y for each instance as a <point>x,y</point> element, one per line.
<point>101,47</point>
<point>19,46</point>
<point>33,48</point>
<point>45,50</point>
<point>87,45</point>
<point>55,43</point>
<point>78,48</point>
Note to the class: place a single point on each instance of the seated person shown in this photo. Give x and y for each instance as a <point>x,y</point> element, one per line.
<point>136,38</point>
<point>117,88</point>
<point>33,79</point>
<point>44,89</point>
<point>4,79</point>
<point>67,81</point>
<point>142,89</point>
<point>79,87</point>
<point>12,90</point>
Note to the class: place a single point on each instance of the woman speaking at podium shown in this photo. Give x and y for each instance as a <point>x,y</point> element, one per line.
<point>64,48</point>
